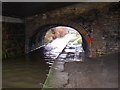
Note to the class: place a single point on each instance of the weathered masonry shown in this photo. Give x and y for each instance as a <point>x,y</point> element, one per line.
<point>13,37</point>
<point>98,23</point>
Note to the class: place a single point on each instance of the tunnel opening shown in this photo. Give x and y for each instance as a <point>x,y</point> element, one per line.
<point>67,29</point>
<point>42,38</point>
<point>37,38</point>
<point>64,43</point>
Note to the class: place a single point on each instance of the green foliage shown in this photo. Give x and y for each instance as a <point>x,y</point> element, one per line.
<point>78,37</point>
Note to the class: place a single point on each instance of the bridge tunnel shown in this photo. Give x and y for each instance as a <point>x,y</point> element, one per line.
<point>39,38</point>
<point>47,36</point>
<point>26,29</point>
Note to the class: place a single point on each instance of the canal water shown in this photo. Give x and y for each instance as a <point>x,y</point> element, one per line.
<point>29,71</point>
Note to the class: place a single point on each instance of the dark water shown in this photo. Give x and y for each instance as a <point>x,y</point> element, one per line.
<point>29,71</point>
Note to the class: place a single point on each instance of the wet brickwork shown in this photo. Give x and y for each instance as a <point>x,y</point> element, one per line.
<point>97,22</point>
<point>13,40</point>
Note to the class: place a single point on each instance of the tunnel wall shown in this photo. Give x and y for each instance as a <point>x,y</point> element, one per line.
<point>106,25</point>
<point>13,39</point>
<point>99,21</point>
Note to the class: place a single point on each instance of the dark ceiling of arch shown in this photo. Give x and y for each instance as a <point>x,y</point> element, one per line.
<point>26,9</point>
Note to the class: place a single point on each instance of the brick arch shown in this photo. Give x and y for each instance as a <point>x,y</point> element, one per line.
<point>58,21</point>
<point>38,35</point>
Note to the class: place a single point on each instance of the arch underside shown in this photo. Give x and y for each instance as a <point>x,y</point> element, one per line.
<point>36,40</point>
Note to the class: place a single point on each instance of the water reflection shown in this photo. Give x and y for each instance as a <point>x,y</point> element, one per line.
<point>28,71</point>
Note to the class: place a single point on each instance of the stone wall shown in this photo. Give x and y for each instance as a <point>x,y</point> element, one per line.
<point>13,39</point>
<point>106,30</point>
<point>99,21</point>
